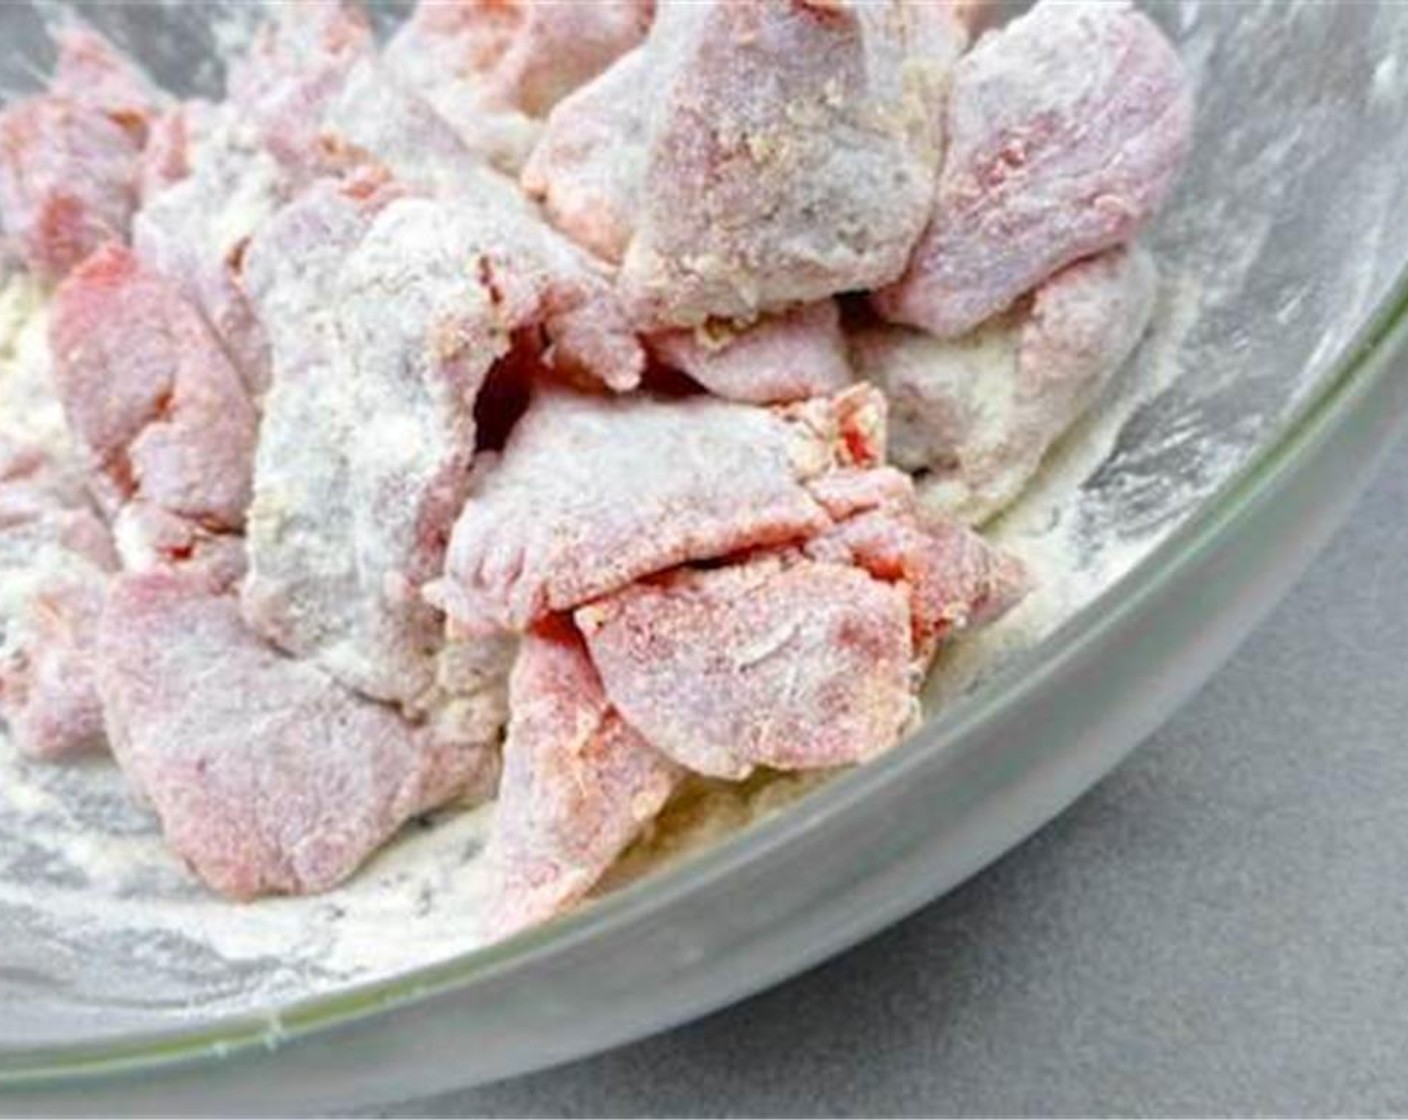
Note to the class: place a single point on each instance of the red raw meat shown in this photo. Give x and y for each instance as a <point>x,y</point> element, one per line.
<point>267,775</point>
<point>578,784</point>
<point>159,413</point>
<point>91,72</point>
<point>207,187</point>
<point>791,664</point>
<point>955,580</point>
<point>1066,131</point>
<point>976,415</point>
<point>593,493</point>
<point>792,153</point>
<point>68,181</point>
<point>386,323</point>
<point>588,168</point>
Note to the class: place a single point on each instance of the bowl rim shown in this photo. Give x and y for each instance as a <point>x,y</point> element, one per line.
<point>1361,364</point>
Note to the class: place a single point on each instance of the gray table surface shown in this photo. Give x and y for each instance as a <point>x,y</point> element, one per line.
<point>1221,926</point>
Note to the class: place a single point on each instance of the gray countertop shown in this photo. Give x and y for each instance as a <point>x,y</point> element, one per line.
<point>1219,927</point>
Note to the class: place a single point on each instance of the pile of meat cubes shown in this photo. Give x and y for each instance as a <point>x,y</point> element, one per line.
<point>502,410</point>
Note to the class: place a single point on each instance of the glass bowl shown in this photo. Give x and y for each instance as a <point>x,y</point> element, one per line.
<point>1223,457</point>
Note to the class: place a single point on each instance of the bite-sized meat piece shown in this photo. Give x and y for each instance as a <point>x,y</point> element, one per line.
<point>91,72</point>
<point>976,415</point>
<point>70,159</point>
<point>267,775</point>
<point>1066,130</point>
<point>68,181</point>
<point>489,67</point>
<point>55,562</point>
<point>589,166</point>
<point>159,414</point>
<point>785,357</point>
<point>593,493</point>
<point>303,591</point>
<point>786,663</point>
<point>1084,324</point>
<point>348,523</point>
<point>943,394</point>
<point>195,231</point>
<point>578,784</point>
<point>295,68</point>
<point>792,153</point>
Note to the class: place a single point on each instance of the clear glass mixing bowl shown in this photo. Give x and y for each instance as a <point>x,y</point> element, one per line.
<point>1248,421</point>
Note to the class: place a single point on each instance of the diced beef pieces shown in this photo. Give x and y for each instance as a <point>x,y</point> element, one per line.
<point>1066,131</point>
<point>267,775</point>
<point>944,394</point>
<point>160,415</point>
<point>91,72</point>
<point>369,429</point>
<point>490,67</point>
<point>324,103</point>
<point>791,664</point>
<point>593,493</point>
<point>70,158</point>
<point>68,181</point>
<point>791,153</point>
<point>976,415</point>
<point>195,230</point>
<point>304,591</point>
<point>578,784</point>
<point>55,561</point>
<point>784,357</point>
<point>781,659</point>
<point>297,67</point>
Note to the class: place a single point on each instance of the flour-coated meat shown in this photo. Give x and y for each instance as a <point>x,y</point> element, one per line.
<point>976,415</point>
<point>578,783</point>
<point>792,664</point>
<point>267,775</point>
<point>1067,128</point>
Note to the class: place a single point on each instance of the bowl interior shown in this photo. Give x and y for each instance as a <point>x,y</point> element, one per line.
<point>1283,238</point>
